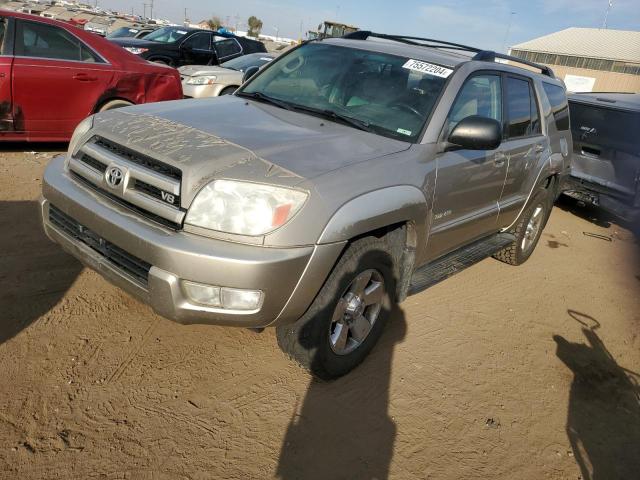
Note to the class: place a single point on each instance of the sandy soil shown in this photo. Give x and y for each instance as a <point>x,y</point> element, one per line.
<point>500,372</point>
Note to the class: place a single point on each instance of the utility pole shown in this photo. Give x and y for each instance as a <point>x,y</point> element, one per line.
<point>151,10</point>
<point>506,35</point>
<point>186,19</point>
<point>606,15</point>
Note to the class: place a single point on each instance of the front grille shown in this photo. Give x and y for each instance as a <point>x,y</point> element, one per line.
<point>124,203</point>
<point>148,186</point>
<point>128,264</point>
<point>142,160</point>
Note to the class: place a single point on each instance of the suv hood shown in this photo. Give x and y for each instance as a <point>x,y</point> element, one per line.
<point>236,138</point>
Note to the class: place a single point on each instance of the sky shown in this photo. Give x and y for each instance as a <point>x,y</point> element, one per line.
<point>489,24</point>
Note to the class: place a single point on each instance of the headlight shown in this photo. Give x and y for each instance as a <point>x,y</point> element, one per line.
<point>82,128</point>
<point>202,80</point>
<point>244,208</point>
<point>136,50</point>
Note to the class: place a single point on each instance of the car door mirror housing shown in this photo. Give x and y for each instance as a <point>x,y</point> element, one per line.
<point>476,133</point>
<point>249,73</point>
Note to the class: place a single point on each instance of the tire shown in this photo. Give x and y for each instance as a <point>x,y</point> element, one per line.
<point>528,229</point>
<point>310,340</point>
<point>228,91</point>
<point>159,61</point>
<point>114,104</point>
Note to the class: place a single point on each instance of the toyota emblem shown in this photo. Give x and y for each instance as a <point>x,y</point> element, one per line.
<point>114,177</point>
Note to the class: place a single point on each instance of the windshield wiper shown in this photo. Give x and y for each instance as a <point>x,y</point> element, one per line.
<point>332,115</point>
<point>261,97</point>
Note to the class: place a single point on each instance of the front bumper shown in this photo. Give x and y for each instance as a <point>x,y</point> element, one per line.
<point>289,278</point>
<point>201,91</point>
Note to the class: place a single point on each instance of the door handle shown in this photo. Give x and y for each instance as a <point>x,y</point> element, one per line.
<point>83,77</point>
<point>499,159</point>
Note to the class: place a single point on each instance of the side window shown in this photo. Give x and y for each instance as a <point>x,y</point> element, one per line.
<point>199,41</point>
<point>536,126</point>
<point>48,41</point>
<point>559,107</point>
<point>519,101</point>
<point>226,48</point>
<point>480,95</point>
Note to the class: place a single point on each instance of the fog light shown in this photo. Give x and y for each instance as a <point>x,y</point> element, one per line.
<point>203,294</point>
<point>234,299</point>
<point>223,297</point>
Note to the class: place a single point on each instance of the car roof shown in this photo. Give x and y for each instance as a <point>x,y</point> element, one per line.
<point>626,101</point>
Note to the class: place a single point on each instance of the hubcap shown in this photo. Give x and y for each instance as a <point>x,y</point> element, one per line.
<point>356,312</point>
<point>533,227</point>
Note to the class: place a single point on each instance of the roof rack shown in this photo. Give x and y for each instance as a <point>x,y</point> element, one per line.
<point>480,55</point>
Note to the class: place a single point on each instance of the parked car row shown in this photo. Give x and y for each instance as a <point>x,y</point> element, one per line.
<point>53,75</point>
<point>44,60</point>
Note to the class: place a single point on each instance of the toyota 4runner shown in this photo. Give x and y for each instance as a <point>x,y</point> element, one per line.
<point>344,176</point>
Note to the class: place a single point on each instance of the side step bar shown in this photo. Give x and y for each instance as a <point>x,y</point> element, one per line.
<point>454,262</point>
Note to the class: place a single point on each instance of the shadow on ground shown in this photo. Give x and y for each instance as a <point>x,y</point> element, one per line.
<point>603,420</point>
<point>594,214</point>
<point>50,147</point>
<point>343,429</point>
<point>34,272</point>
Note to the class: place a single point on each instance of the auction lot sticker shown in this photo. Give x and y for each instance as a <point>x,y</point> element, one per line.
<point>428,68</point>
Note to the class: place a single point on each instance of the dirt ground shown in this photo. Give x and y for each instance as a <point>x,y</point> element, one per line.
<point>500,372</point>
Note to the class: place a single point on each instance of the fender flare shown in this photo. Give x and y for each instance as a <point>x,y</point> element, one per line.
<point>378,209</point>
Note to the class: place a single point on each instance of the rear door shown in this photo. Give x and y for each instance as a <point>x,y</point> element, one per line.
<point>197,49</point>
<point>469,182</point>
<point>523,145</point>
<point>227,49</point>
<point>6,61</point>
<point>606,146</point>
<point>57,79</point>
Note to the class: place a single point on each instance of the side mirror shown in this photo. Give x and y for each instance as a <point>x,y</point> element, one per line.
<point>477,133</point>
<point>249,73</point>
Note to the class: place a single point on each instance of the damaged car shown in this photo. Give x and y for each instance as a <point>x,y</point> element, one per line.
<point>53,75</point>
<point>605,168</point>
<point>342,177</point>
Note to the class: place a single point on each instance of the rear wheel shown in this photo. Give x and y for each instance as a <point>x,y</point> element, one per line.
<point>528,230</point>
<point>347,317</point>
<point>114,104</point>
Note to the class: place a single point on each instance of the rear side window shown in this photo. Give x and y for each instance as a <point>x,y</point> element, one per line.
<point>47,41</point>
<point>480,95</point>
<point>3,28</point>
<point>522,110</point>
<point>559,107</point>
<point>226,48</point>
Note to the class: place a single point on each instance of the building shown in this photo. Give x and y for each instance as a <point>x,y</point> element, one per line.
<point>588,59</point>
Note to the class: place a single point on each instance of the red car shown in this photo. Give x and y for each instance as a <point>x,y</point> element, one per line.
<point>53,75</point>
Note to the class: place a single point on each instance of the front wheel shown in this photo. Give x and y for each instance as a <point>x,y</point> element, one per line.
<point>528,230</point>
<point>347,317</point>
<point>113,104</point>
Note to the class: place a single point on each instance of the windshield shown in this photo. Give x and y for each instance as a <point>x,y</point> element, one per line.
<point>390,95</point>
<point>246,61</point>
<point>123,32</point>
<point>166,35</point>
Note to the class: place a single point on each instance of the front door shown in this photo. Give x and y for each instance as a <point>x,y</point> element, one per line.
<point>6,61</point>
<point>57,79</point>
<point>469,182</point>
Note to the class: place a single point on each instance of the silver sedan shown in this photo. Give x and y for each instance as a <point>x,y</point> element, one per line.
<point>200,81</point>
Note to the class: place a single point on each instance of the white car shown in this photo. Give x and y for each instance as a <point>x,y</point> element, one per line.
<point>200,81</point>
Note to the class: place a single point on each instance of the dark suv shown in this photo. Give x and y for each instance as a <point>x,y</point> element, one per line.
<point>345,175</point>
<point>178,46</point>
<point>605,168</point>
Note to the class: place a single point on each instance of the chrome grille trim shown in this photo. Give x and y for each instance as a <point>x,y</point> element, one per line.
<point>88,164</point>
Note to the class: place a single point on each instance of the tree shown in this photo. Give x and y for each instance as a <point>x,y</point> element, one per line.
<point>215,23</point>
<point>255,25</point>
